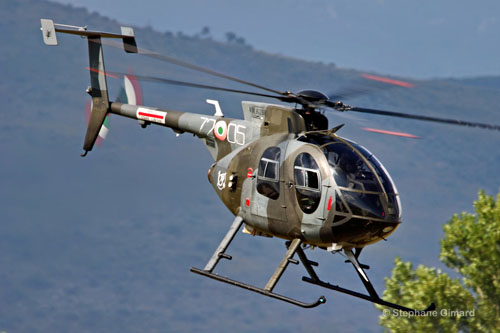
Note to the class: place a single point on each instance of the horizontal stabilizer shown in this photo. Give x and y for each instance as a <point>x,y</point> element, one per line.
<point>49,29</point>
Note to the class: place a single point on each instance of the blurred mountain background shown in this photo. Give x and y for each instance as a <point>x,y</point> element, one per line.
<point>105,243</point>
<point>417,39</point>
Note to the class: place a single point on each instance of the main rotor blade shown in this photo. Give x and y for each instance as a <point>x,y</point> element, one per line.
<point>388,80</point>
<point>386,132</point>
<point>186,64</point>
<point>424,118</point>
<point>196,85</point>
<point>367,84</point>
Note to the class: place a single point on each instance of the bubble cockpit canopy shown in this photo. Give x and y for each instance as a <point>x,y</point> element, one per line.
<point>364,188</point>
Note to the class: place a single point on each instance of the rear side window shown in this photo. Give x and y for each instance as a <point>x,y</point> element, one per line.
<point>307,182</point>
<point>268,176</point>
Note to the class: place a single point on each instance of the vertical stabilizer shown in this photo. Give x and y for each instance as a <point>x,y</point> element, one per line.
<point>98,91</point>
<point>98,86</point>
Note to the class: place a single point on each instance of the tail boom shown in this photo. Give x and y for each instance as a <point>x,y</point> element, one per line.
<point>219,134</point>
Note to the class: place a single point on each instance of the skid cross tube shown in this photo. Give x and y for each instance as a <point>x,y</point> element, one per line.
<point>268,289</point>
<point>373,297</point>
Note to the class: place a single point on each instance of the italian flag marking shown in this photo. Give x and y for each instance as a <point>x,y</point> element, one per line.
<point>103,133</point>
<point>220,130</point>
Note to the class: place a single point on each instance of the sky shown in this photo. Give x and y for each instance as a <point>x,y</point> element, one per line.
<point>417,39</point>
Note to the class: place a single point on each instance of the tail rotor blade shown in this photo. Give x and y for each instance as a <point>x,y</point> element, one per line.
<point>133,90</point>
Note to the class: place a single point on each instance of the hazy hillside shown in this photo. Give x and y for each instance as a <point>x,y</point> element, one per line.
<point>104,244</point>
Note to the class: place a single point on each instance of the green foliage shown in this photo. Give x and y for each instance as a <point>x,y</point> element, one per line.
<point>471,246</point>
<point>417,289</point>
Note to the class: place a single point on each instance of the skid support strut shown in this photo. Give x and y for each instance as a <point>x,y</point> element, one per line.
<point>268,289</point>
<point>372,297</point>
<point>221,249</point>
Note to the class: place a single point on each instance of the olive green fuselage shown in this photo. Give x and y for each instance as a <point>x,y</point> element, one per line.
<point>287,182</point>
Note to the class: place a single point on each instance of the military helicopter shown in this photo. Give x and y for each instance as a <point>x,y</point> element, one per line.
<point>281,171</point>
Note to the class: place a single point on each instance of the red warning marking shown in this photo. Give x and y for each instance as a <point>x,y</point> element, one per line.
<point>405,135</point>
<point>247,202</point>
<point>330,203</point>
<point>249,173</point>
<point>149,115</point>
<point>387,80</point>
<point>101,72</point>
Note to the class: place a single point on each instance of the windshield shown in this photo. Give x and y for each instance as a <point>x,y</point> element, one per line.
<point>363,184</point>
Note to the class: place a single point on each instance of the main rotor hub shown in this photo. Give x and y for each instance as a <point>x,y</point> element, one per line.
<point>313,96</point>
<point>312,99</point>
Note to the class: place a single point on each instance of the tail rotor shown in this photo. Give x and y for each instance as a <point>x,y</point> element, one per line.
<point>130,93</point>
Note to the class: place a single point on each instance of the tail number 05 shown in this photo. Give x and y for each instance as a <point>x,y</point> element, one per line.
<point>236,134</point>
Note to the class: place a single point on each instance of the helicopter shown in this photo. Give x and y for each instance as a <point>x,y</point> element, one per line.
<point>281,171</point>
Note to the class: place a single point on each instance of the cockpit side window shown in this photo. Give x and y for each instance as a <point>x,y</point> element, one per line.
<point>307,182</point>
<point>268,176</point>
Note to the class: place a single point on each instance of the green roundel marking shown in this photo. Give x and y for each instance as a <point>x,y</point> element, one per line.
<point>220,130</point>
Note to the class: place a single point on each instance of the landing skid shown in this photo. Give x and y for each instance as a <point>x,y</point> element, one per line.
<point>264,292</point>
<point>377,300</point>
<point>294,246</point>
<point>372,297</point>
<point>268,289</point>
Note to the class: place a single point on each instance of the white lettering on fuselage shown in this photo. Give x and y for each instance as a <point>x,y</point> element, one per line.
<point>235,133</point>
<point>221,180</point>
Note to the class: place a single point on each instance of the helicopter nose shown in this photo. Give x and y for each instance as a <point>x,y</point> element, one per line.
<point>389,229</point>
